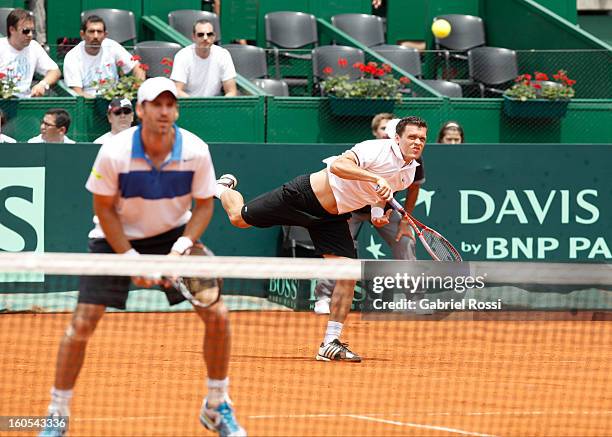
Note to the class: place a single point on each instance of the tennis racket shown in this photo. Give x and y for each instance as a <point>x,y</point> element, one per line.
<point>434,243</point>
<point>201,292</point>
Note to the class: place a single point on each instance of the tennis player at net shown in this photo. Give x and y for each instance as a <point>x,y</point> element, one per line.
<point>143,182</point>
<point>322,202</point>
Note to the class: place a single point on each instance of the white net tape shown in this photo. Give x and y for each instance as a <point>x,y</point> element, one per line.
<point>291,268</point>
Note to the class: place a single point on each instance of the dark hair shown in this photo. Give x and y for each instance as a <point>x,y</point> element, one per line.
<point>450,125</point>
<point>202,21</point>
<point>14,16</point>
<point>92,19</point>
<point>412,120</point>
<point>62,118</point>
<point>2,118</point>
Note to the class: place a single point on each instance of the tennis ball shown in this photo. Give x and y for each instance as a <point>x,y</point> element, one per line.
<point>441,28</point>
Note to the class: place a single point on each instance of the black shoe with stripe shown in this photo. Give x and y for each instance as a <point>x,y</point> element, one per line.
<point>336,351</point>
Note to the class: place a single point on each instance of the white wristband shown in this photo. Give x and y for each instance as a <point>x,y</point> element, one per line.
<point>182,244</point>
<point>131,252</point>
<point>377,212</point>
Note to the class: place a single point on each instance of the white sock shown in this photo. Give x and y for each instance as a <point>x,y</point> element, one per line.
<point>60,401</point>
<point>217,391</point>
<point>220,189</point>
<point>334,329</point>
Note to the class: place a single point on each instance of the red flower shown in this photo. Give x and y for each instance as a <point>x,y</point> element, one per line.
<point>167,70</point>
<point>120,63</point>
<point>102,81</point>
<point>144,66</point>
<point>570,82</point>
<point>527,76</point>
<point>380,72</point>
<point>136,58</point>
<point>167,61</point>
<point>537,86</point>
<point>372,64</point>
<point>386,68</point>
<point>2,75</point>
<point>370,69</point>
<point>328,70</point>
<point>540,76</point>
<point>404,80</point>
<point>357,65</point>
<point>342,62</point>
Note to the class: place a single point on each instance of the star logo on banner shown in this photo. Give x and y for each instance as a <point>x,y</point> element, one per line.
<point>424,197</point>
<point>374,248</point>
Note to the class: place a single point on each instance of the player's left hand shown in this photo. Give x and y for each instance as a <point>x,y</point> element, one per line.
<point>379,222</point>
<point>404,229</point>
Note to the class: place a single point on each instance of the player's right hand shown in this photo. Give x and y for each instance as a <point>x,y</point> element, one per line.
<point>383,189</point>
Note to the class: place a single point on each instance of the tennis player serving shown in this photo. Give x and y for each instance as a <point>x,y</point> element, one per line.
<point>143,183</point>
<point>367,174</point>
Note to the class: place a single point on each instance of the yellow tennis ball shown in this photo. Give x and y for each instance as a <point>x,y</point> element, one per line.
<point>441,28</point>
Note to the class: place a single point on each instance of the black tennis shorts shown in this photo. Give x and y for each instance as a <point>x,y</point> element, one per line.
<point>295,204</point>
<point>113,291</point>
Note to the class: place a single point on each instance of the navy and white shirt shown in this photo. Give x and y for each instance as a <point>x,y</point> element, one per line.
<point>149,201</point>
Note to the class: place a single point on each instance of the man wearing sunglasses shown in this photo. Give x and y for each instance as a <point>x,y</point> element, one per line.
<point>21,56</point>
<point>120,116</point>
<point>97,58</point>
<point>204,69</point>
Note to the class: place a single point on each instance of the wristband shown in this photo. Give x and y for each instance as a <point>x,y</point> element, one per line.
<point>182,244</point>
<point>131,252</point>
<point>377,212</point>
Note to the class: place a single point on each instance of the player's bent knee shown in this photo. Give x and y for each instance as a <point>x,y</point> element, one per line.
<point>217,313</point>
<point>80,329</point>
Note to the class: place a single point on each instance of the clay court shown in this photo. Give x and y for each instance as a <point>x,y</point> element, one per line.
<point>144,375</point>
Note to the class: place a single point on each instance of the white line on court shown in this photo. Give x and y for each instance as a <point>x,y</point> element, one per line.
<point>456,413</point>
<point>418,425</point>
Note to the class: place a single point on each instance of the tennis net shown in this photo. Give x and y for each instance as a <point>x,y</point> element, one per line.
<point>432,364</point>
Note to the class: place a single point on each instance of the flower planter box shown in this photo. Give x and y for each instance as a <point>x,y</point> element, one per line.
<point>359,107</point>
<point>9,107</point>
<point>535,108</point>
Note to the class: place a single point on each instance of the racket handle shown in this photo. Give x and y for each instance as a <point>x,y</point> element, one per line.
<point>396,206</point>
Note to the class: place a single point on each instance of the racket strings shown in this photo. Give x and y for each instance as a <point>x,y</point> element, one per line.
<point>440,246</point>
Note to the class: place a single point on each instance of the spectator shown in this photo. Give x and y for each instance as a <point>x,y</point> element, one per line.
<point>203,68</point>
<point>21,56</point>
<point>120,115</point>
<point>397,233</point>
<point>54,127</point>
<point>4,138</point>
<point>451,133</point>
<point>97,58</point>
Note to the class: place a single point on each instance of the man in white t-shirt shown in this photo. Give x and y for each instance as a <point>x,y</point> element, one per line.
<point>203,68</point>
<point>120,115</point>
<point>53,127</point>
<point>97,58</point>
<point>367,174</point>
<point>21,56</point>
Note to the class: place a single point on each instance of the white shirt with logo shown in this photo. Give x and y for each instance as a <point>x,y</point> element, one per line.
<point>203,77</point>
<point>22,64</point>
<point>81,69</point>
<point>150,201</point>
<point>381,157</point>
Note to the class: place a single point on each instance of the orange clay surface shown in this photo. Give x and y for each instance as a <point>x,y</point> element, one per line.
<point>144,375</point>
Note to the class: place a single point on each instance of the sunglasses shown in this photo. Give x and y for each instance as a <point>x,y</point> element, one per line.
<point>205,34</point>
<point>48,124</point>
<point>27,31</point>
<point>123,111</point>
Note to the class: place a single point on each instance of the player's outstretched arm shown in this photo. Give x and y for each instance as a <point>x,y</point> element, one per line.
<point>347,167</point>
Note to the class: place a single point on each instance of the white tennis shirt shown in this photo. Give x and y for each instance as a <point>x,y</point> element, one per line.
<point>151,201</point>
<point>381,157</point>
